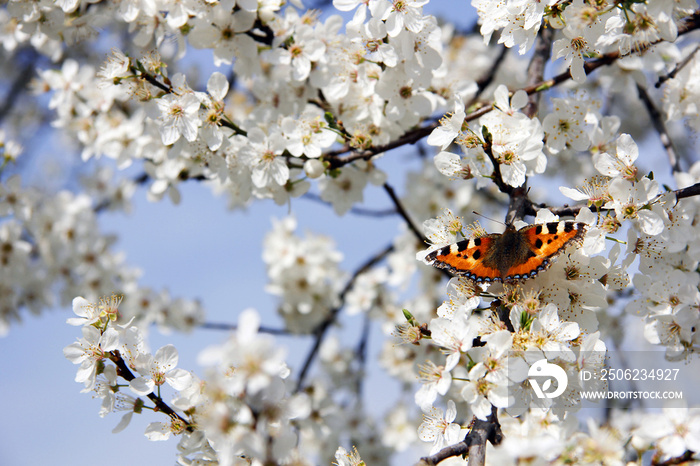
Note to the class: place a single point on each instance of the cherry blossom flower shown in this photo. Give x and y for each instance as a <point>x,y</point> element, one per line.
<point>263,154</point>
<point>553,336</point>
<point>307,135</point>
<point>436,380</point>
<point>583,26</point>
<point>438,429</point>
<point>90,350</point>
<point>491,376</point>
<point>217,88</point>
<point>224,32</point>
<point>629,199</point>
<point>568,125</point>
<point>159,369</point>
<point>301,53</point>
<point>344,190</point>
<point>398,14</point>
<point>179,117</point>
<point>346,458</point>
<point>622,163</point>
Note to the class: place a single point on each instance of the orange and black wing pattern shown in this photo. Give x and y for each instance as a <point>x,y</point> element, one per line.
<point>467,258</point>
<point>509,257</point>
<point>545,241</point>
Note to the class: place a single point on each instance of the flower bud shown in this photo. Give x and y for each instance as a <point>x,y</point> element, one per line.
<point>314,168</point>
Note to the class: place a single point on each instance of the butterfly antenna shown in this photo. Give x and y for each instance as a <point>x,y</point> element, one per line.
<point>487,218</point>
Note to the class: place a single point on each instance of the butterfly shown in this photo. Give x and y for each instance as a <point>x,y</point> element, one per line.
<point>511,256</point>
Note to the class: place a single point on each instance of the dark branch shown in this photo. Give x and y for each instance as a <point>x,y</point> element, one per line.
<point>690,191</point>
<point>335,161</point>
<point>660,128</point>
<point>229,327</point>
<point>362,355</point>
<point>484,82</point>
<point>399,208</point>
<point>535,70</point>
<point>473,445</point>
<point>18,87</point>
<point>124,372</point>
<point>320,331</point>
<point>678,68</point>
<point>354,210</point>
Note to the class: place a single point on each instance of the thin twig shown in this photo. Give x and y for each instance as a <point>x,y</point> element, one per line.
<point>690,191</point>
<point>355,210</point>
<point>124,372</point>
<point>484,82</point>
<point>19,85</point>
<point>362,354</point>
<point>320,331</point>
<point>408,138</point>
<point>229,327</point>
<point>402,212</point>
<point>660,128</point>
<point>678,68</point>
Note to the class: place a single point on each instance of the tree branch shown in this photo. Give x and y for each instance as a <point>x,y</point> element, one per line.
<point>362,354</point>
<point>678,68</point>
<point>535,70</point>
<point>411,137</point>
<point>230,327</point>
<point>660,128</point>
<point>473,445</point>
<point>124,372</point>
<point>484,82</point>
<point>354,210</point>
<point>320,331</point>
<point>690,191</point>
<point>18,87</point>
<point>402,212</point>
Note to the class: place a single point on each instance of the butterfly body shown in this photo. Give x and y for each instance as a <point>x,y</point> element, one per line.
<point>512,256</point>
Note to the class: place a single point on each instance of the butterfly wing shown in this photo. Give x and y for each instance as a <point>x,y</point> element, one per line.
<point>545,241</point>
<point>466,258</point>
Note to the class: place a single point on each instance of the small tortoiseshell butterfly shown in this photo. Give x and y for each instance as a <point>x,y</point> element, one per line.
<point>511,256</point>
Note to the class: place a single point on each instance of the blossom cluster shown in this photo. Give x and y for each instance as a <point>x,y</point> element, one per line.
<point>52,249</point>
<point>108,351</point>
<point>304,273</point>
<point>307,70</point>
<point>588,28</point>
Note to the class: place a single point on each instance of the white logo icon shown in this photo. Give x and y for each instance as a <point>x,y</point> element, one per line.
<point>544,369</point>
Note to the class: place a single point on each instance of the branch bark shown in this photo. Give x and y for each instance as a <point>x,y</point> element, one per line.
<point>660,128</point>
<point>473,445</point>
<point>320,332</point>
